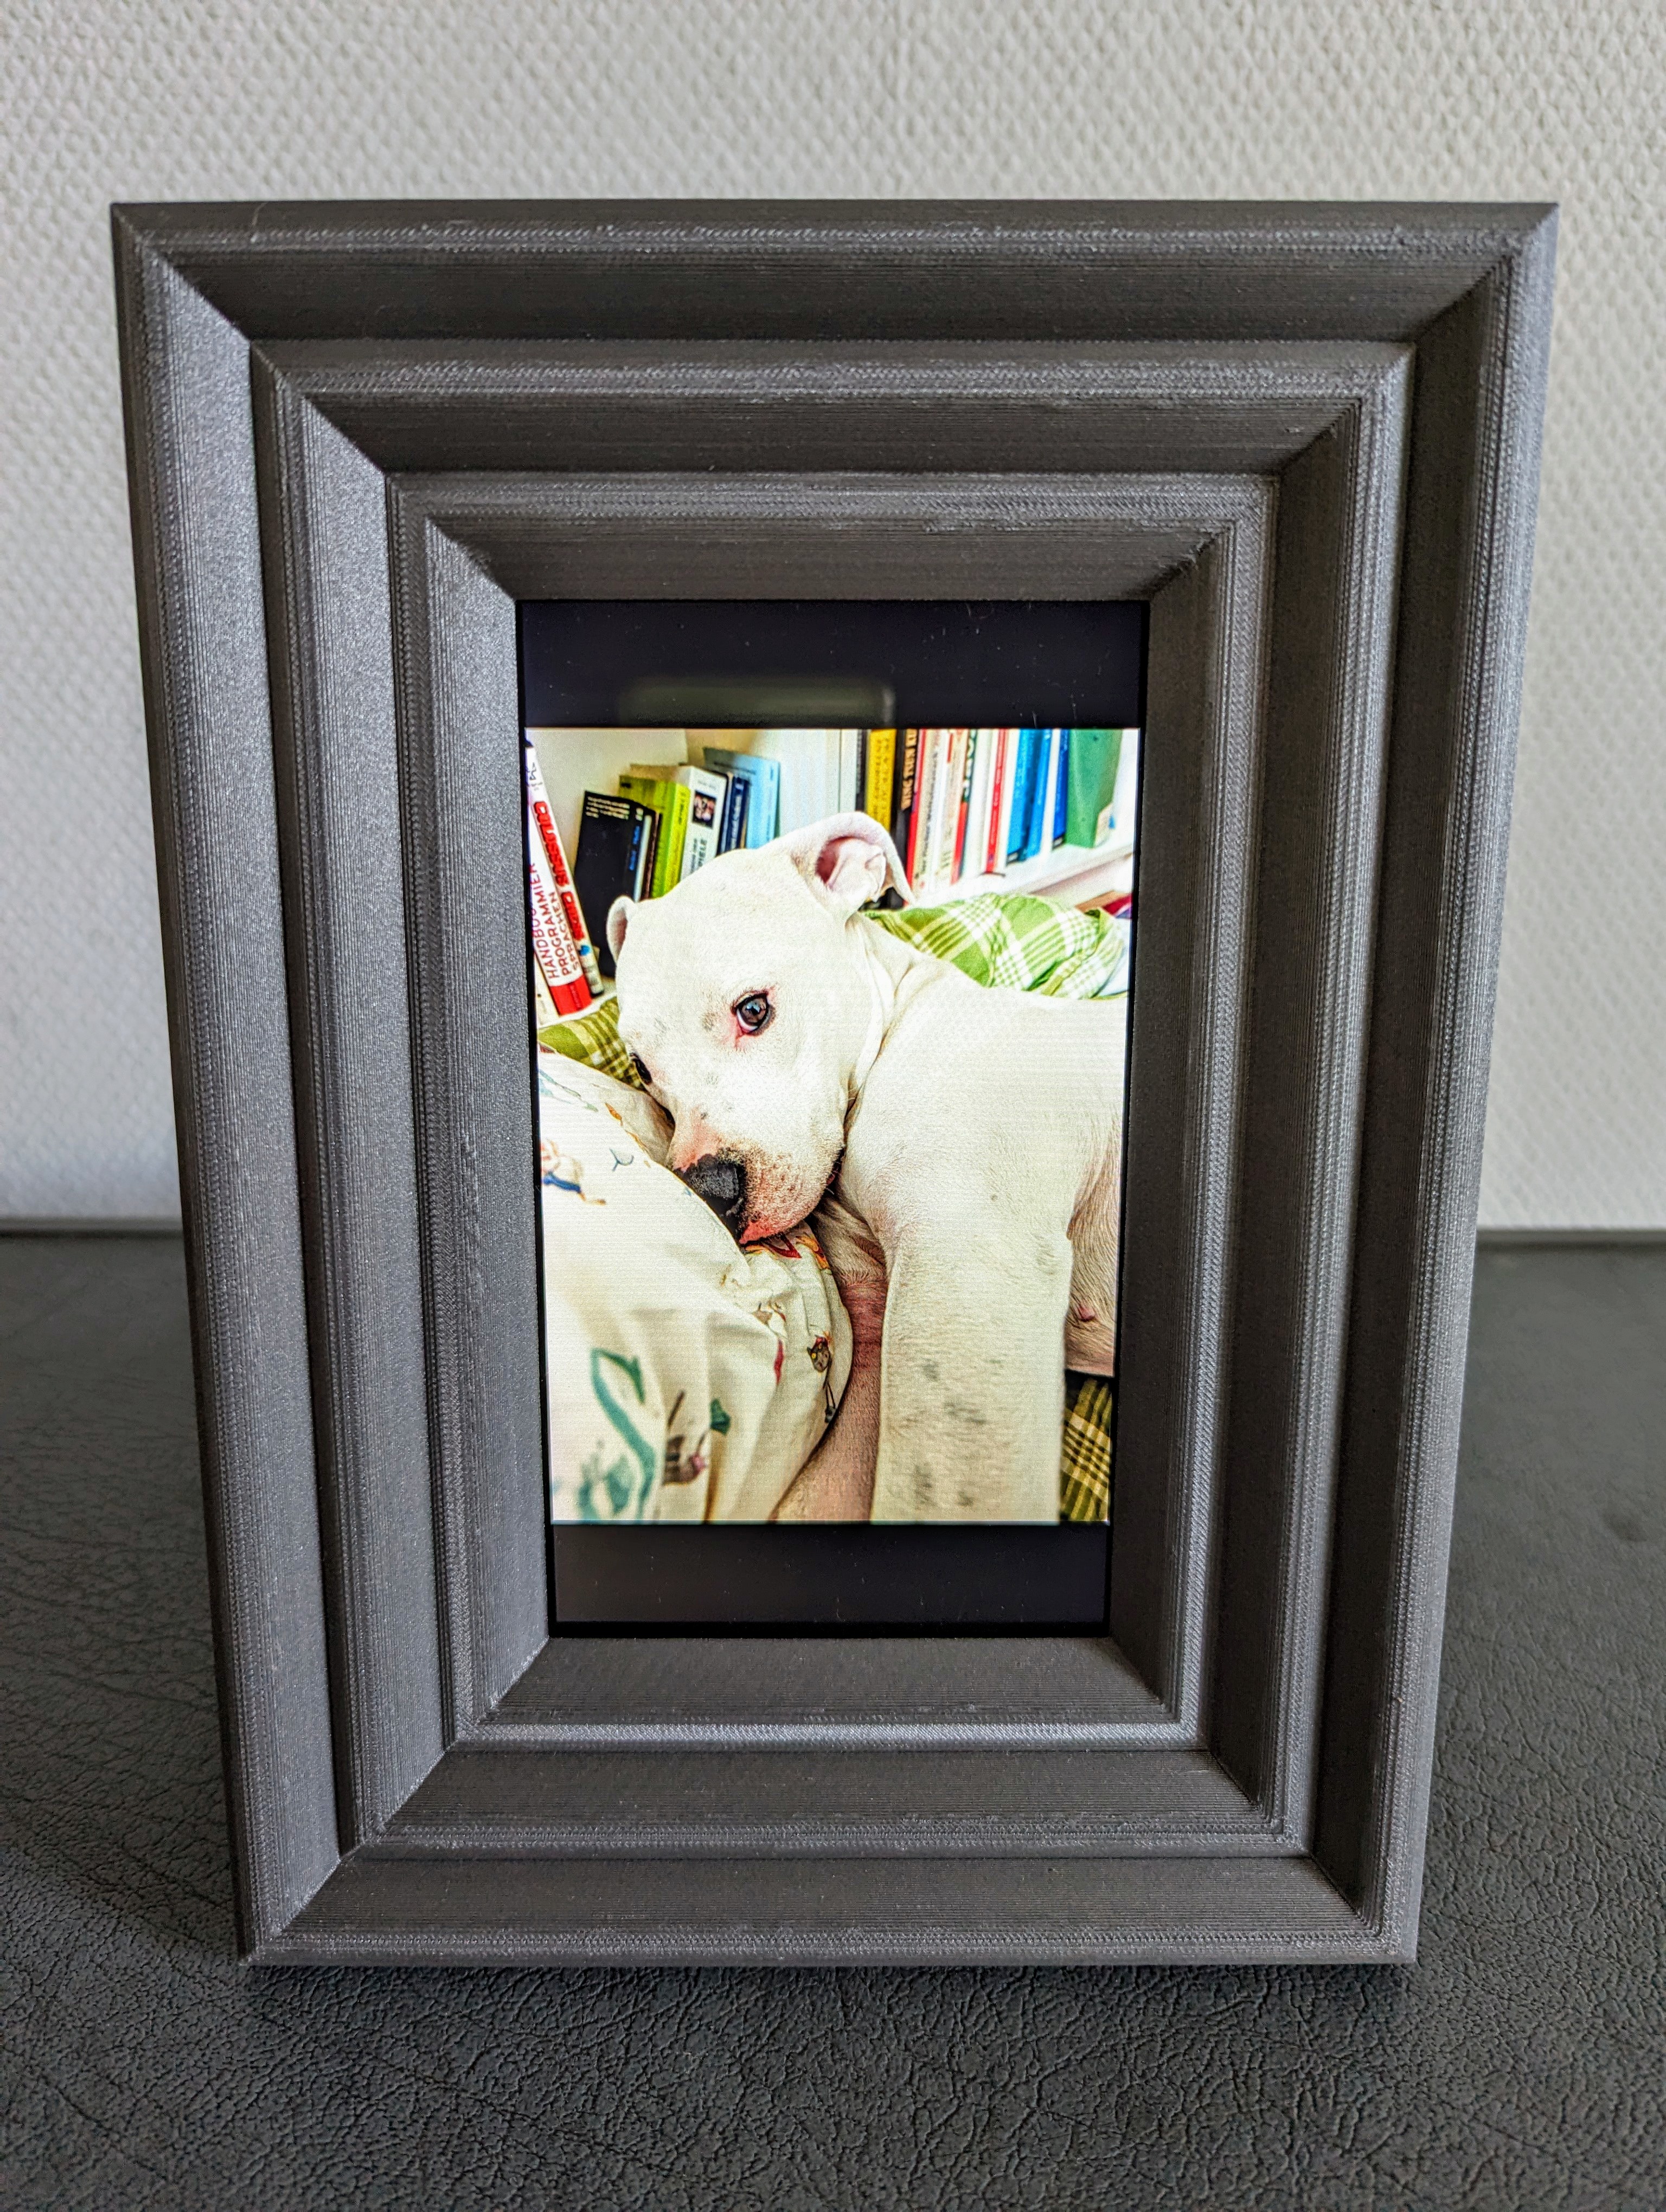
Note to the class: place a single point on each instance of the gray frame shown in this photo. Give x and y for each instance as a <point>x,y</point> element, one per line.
<point>1309,436</point>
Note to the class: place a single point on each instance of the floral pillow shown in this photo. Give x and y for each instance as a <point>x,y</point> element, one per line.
<point>688,1379</point>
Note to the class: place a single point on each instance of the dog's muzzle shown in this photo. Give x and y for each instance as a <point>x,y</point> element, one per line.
<point>722,1184</point>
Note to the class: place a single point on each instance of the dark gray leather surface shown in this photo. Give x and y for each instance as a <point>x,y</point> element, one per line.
<point>1520,2063</point>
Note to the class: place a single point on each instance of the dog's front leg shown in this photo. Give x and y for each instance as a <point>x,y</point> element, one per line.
<point>972,1381</point>
<point>836,1481</point>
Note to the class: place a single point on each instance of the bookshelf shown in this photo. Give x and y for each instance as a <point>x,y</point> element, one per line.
<point>1075,875</point>
<point>574,760</point>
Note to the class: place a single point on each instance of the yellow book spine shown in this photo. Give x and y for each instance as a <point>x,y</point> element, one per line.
<point>881,771</point>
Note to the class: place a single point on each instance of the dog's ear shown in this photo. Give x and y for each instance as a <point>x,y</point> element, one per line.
<point>618,920</point>
<point>849,860</point>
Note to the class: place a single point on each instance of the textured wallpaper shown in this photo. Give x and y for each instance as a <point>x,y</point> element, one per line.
<point>1391,99</point>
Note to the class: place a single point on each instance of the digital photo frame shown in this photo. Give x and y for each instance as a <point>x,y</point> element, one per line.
<point>359,436</point>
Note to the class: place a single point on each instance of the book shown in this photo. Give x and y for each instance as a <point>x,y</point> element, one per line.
<point>925,782</point>
<point>944,810</point>
<point>985,745</point>
<point>853,748</point>
<point>761,776</point>
<point>902,798</point>
<point>707,789</point>
<point>808,765</point>
<point>737,790</point>
<point>553,948</point>
<point>1060,793</point>
<point>538,798</point>
<point>962,770</point>
<point>614,858</point>
<point>881,775</point>
<point>670,801</point>
<point>652,834</point>
<point>1039,824</point>
<point>1000,802</point>
<point>1023,789</point>
<point>1095,757</point>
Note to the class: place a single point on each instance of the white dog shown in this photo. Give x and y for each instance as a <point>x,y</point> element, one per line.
<point>967,1143</point>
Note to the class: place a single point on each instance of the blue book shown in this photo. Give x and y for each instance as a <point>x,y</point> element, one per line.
<point>1024,793</point>
<point>737,792</point>
<point>1036,796</point>
<point>1061,795</point>
<point>763,777</point>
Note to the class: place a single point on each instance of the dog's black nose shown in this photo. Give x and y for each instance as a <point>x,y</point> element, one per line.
<point>722,1184</point>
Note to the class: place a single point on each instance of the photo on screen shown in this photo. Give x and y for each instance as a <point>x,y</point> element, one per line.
<point>831,1024</point>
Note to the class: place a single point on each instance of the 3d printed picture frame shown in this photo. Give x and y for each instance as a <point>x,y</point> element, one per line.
<point>1308,436</point>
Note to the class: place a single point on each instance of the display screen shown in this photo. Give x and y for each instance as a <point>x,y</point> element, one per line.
<point>830,933</point>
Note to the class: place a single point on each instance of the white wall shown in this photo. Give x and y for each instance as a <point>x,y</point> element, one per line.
<point>1402,99</point>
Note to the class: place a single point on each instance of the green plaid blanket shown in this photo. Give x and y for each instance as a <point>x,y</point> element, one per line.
<point>1016,943</point>
<point>1085,1462</point>
<point>1008,941</point>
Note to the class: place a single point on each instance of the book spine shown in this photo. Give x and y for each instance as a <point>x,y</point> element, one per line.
<point>661,800</point>
<point>1021,786</point>
<point>940,829</point>
<point>903,817</point>
<point>538,800</point>
<point>977,817</point>
<point>707,793</point>
<point>961,770</point>
<point>905,785</point>
<point>1001,802</point>
<point>764,826</point>
<point>647,858</point>
<point>677,823</point>
<point>1047,784</point>
<point>881,773</point>
<point>1060,791</point>
<point>552,941</point>
<point>919,813</point>
<point>734,810</point>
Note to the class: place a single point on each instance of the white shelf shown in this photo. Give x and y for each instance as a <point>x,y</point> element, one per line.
<point>1072,873</point>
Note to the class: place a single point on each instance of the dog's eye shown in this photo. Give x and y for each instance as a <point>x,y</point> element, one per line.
<point>642,1068</point>
<point>753,1012</point>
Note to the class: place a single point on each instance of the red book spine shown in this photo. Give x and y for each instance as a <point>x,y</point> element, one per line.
<point>969,754</point>
<point>552,941</point>
<point>538,798</point>
<point>991,859</point>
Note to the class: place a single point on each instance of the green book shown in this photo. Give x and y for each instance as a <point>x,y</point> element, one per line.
<point>1095,756</point>
<point>670,801</point>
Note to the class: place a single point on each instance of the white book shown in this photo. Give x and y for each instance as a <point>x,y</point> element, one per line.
<point>977,815</point>
<point>850,773</point>
<point>943,817</point>
<point>1050,792</point>
<point>708,793</point>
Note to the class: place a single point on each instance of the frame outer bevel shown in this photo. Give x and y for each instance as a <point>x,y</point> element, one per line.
<point>329,624</point>
<point>459,744</point>
<point>1340,515</point>
<point>770,405</point>
<point>1206,674</point>
<point>1472,497</point>
<point>197,553</point>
